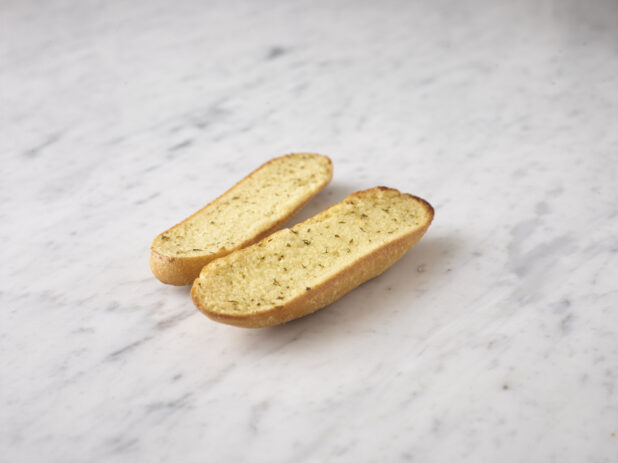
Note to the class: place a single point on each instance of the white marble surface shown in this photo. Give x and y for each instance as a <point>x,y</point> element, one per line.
<point>495,339</point>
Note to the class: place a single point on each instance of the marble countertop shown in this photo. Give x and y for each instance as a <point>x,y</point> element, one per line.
<point>494,339</point>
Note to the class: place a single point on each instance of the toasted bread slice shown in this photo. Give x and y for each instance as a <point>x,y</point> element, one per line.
<point>252,209</point>
<point>299,270</point>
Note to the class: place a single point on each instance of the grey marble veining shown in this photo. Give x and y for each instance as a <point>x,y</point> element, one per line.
<point>494,339</point>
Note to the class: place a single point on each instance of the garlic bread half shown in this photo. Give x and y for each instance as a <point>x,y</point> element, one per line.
<point>299,270</point>
<point>250,210</point>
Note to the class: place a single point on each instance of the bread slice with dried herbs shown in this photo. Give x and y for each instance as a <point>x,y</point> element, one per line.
<point>247,212</point>
<point>299,270</point>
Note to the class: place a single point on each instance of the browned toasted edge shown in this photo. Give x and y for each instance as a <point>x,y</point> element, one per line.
<point>180,271</point>
<point>347,279</point>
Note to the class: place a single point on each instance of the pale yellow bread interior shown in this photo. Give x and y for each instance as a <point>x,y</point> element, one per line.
<point>298,270</point>
<point>250,210</point>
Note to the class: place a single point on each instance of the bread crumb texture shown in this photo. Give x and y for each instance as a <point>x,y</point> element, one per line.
<point>294,261</point>
<point>249,208</point>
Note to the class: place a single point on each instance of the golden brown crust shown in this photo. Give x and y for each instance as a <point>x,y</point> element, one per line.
<point>348,278</point>
<point>181,271</point>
